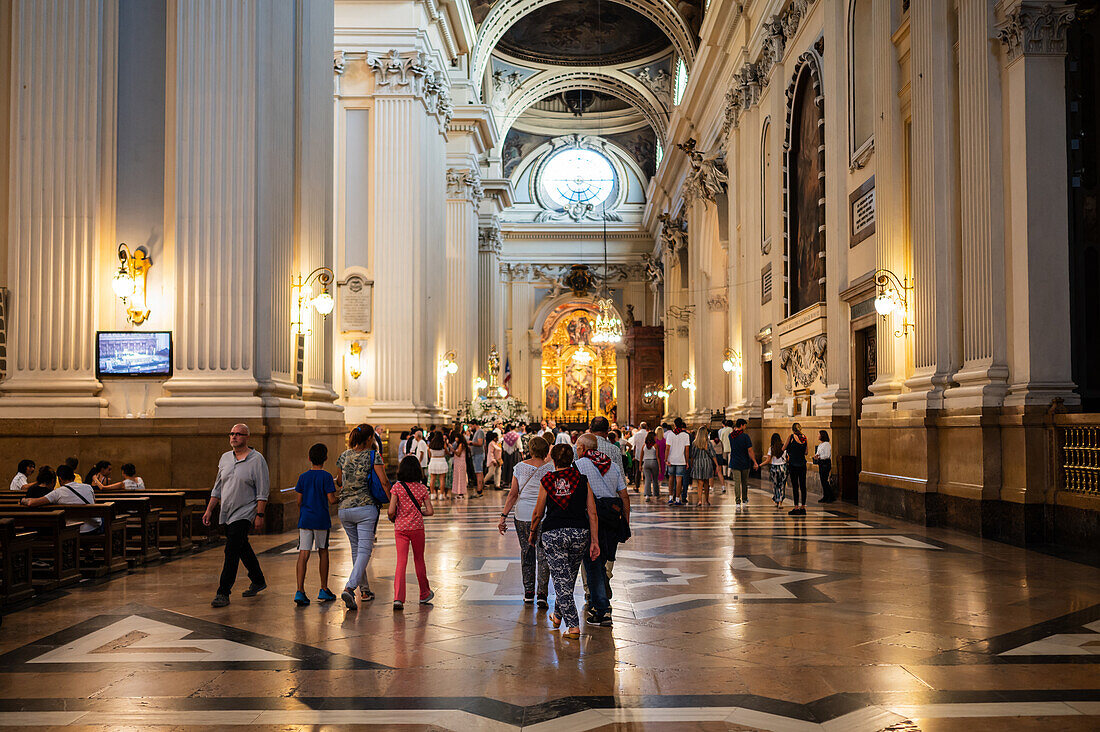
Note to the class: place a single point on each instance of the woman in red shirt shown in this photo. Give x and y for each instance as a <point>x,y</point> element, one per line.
<point>410,502</point>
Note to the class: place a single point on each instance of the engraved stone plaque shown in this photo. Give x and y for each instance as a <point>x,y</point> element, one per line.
<point>356,295</point>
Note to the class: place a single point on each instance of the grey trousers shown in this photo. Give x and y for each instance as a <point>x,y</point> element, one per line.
<point>529,556</point>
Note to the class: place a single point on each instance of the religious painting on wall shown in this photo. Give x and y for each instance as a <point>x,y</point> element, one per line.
<point>807,189</point>
<point>553,397</point>
<point>578,388</point>
<point>607,397</point>
<point>580,331</point>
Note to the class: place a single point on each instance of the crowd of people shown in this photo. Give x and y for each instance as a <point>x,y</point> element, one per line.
<point>568,497</point>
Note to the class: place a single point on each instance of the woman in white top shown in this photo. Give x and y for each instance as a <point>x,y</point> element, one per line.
<point>132,481</point>
<point>776,460</point>
<point>22,475</point>
<point>651,467</point>
<point>823,456</point>
<point>437,466</point>
<point>526,479</point>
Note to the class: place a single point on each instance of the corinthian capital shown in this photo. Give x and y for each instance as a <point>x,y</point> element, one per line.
<point>412,73</point>
<point>465,183</point>
<point>1035,29</point>
<point>489,239</point>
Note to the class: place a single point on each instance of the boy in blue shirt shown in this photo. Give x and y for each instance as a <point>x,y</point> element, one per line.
<point>316,492</point>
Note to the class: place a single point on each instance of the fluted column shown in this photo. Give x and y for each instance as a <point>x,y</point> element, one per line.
<point>1033,36</point>
<point>60,187</point>
<point>934,299</point>
<point>464,194</point>
<point>407,237</point>
<point>490,291</point>
<point>892,210</point>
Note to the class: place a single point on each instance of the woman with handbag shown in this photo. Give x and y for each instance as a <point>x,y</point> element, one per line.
<point>526,477</point>
<point>795,448</point>
<point>410,502</point>
<point>364,489</point>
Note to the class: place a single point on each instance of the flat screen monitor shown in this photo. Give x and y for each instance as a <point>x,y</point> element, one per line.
<point>128,353</point>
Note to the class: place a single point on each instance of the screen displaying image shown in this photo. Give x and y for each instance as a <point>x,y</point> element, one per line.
<point>134,354</point>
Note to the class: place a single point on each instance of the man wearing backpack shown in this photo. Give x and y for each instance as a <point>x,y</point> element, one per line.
<point>242,489</point>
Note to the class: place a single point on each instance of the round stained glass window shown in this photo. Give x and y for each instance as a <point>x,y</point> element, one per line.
<point>578,176</point>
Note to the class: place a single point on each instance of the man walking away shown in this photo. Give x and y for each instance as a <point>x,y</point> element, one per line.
<point>742,459</point>
<point>600,427</point>
<point>613,510</point>
<point>637,445</point>
<point>242,489</point>
<point>477,452</point>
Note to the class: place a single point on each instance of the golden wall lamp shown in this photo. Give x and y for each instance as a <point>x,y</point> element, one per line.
<point>302,299</point>
<point>355,361</point>
<point>731,361</point>
<point>892,296</point>
<point>130,280</point>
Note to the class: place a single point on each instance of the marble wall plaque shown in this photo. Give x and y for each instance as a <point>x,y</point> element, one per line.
<point>356,301</point>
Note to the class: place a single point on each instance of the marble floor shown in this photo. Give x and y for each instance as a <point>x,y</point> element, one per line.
<point>724,619</point>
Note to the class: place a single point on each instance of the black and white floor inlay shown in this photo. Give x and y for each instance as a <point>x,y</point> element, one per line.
<point>1070,638</point>
<point>141,636</point>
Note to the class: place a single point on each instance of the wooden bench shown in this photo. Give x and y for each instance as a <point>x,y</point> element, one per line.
<point>16,552</point>
<point>174,531</point>
<point>55,548</point>
<point>142,527</point>
<point>103,552</point>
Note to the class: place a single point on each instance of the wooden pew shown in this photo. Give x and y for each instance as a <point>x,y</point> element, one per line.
<point>142,527</point>
<point>102,553</point>
<point>16,551</point>
<point>174,531</point>
<point>56,545</point>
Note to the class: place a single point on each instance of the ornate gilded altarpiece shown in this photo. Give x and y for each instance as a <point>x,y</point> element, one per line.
<point>578,377</point>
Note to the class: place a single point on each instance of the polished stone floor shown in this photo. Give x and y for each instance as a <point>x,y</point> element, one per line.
<point>839,620</point>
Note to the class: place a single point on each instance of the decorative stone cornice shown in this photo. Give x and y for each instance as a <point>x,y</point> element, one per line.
<point>753,77</point>
<point>674,235</point>
<point>412,73</point>
<point>1036,29</point>
<point>465,183</point>
<point>709,175</point>
<point>554,275</point>
<point>489,239</point>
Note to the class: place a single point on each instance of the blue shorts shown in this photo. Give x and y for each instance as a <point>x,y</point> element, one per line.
<point>479,463</point>
<point>677,471</point>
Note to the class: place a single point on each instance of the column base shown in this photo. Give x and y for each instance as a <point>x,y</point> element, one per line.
<point>1042,394</point>
<point>54,398</point>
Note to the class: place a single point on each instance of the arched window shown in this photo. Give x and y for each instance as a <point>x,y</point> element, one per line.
<point>861,80</point>
<point>767,186</point>
<point>680,82</point>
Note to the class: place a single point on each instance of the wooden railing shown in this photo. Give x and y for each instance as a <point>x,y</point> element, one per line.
<point>1078,453</point>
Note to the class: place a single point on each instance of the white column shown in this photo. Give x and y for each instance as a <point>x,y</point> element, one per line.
<point>407,239</point>
<point>892,210</point>
<point>1035,99</point>
<point>464,195</point>
<point>60,187</point>
<point>211,217</point>
<point>490,304</point>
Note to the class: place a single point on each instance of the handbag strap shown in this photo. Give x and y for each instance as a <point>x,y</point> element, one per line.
<point>412,497</point>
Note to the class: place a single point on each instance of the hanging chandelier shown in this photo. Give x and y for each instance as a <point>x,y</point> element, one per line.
<point>609,326</point>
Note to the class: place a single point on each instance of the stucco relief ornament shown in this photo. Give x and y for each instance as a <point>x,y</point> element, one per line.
<point>660,84</point>
<point>506,82</point>
<point>555,278</point>
<point>1036,29</point>
<point>466,183</point>
<point>489,239</point>
<point>709,175</point>
<point>339,62</point>
<point>804,362</point>
<point>674,234</point>
<point>717,302</point>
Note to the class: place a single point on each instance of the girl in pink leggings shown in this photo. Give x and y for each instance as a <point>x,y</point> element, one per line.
<point>410,502</point>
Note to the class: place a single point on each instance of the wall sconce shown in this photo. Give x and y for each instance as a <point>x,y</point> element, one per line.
<point>480,383</point>
<point>653,392</point>
<point>892,296</point>
<point>447,365</point>
<point>301,296</point>
<point>129,282</point>
<point>355,366</point>
<point>688,381</point>
<point>731,361</point>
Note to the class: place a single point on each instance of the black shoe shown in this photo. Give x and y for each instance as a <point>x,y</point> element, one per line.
<point>793,511</point>
<point>219,601</point>
<point>601,619</point>
<point>528,598</point>
<point>542,603</point>
<point>254,589</point>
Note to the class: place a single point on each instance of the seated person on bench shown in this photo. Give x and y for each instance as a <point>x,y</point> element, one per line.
<point>132,481</point>
<point>43,484</point>
<point>70,492</point>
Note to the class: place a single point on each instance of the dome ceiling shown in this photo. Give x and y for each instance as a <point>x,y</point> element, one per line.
<point>583,33</point>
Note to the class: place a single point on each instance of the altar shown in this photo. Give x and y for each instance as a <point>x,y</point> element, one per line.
<point>578,377</point>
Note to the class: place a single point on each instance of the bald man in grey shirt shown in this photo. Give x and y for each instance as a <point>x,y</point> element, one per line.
<point>242,488</point>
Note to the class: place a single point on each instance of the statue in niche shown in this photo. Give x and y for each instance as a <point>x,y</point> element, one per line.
<point>578,388</point>
<point>806,240</point>
<point>553,398</point>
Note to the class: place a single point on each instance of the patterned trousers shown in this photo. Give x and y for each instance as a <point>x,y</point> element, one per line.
<point>565,550</point>
<point>529,556</point>
<point>779,482</point>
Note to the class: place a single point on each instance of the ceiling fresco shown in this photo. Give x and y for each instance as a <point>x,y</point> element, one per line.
<point>583,33</point>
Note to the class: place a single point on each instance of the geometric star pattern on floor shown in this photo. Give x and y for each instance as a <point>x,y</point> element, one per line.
<point>1075,637</point>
